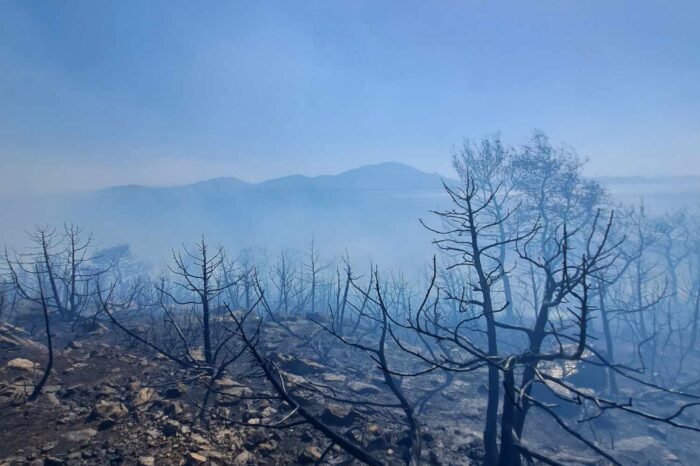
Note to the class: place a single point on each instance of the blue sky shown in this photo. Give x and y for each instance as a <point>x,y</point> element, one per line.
<point>102,93</point>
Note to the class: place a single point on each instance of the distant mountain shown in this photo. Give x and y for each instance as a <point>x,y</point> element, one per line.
<point>380,177</point>
<point>371,211</point>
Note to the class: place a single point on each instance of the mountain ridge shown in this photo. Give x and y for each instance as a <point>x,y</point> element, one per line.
<point>373,211</point>
<point>380,174</point>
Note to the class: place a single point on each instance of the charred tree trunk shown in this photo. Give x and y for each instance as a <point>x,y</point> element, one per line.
<point>49,344</point>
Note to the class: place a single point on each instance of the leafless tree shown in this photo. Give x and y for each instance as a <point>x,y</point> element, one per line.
<point>66,262</point>
<point>199,282</point>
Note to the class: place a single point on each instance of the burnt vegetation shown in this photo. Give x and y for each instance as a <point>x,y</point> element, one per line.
<point>552,326</point>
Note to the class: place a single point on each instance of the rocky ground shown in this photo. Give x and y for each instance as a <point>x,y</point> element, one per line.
<point>105,404</point>
<point>109,402</point>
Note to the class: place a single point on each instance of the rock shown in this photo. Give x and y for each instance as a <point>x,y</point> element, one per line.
<point>146,461</point>
<point>53,399</point>
<point>225,382</point>
<point>22,364</point>
<point>17,391</point>
<point>75,345</point>
<point>363,388</point>
<point>15,337</point>
<point>109,409</point>
<point>198,439</point>
<point>171,427</point>
<point>80,436</point>
<point>174,408</point>
<point>233,393</point>
<point>311,454</point>
<point>339,415</point>
<point>195,458</point>
<point>242,458</point>
<point>105,390</point>
<point>267,448</point>
<point>144,396</point>
<point>373,428</point>
<point>294,379</point>
<point>301,366</point>
<point>333,378</point>
<point>48,446</point>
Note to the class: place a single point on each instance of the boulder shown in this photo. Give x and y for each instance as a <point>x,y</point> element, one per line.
<point>174,408</point>
<point>80,436</point>
<point>338,415</point>
<point>146,461</point>
<point>363,388</point>
<point>144,396</point>
<point>22,364</point>
<point>309,455</point>
<point>225,382</point>
<point>105,390</point>
<point>266,448</point>
<point>242,458</point>
<point>333,378</point>
<point>233,393</point>
<point>16,391</point>
<point>53,461</point>
<point>195,458</point>
<point>109,410</point>
<point>170,428</point>
<point>12,337</point>
<point>198,439</point>
<point>298,366</point>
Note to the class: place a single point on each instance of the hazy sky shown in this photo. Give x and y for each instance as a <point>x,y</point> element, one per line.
<point>94,93</point>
